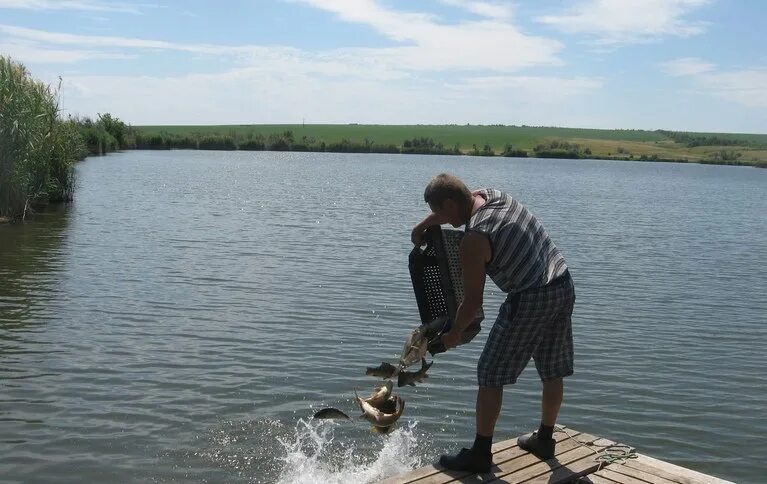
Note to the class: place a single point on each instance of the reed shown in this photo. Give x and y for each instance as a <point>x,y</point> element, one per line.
<point>37,148</point>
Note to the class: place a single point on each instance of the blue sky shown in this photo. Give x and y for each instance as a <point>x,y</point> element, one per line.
<point>651,64</point>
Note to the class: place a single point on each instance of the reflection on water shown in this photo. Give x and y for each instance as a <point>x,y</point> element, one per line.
<point>187,313</point>
<point>31,260</point>
<point>31,263</point>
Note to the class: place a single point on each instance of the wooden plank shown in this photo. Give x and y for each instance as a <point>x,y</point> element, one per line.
<point>502,451</point>
<point>506,462</point>
<point>581,467</point>
<point>569,472</point>
<point>596,479</point>
<point>575,457</point>
<point>545,467</point>
<point>622,478</point>
<point>674,473</point>
<point>526,459</point>
<point>645,476</point>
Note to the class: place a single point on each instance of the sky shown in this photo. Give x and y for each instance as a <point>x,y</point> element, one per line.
<point>693,65</point>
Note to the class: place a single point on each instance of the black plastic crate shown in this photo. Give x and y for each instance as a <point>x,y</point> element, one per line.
<point>437,277</point>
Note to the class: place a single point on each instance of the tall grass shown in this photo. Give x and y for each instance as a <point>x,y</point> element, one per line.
<point>37,149</point>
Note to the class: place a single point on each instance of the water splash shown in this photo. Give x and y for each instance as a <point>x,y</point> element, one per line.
<point>316,456</point>
<point>242,448</point>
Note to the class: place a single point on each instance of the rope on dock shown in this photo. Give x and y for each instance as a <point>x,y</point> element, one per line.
<point>610,454</point>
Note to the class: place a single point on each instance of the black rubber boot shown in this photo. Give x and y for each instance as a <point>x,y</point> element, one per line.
<point>543,449</point>
<point>467,460</point>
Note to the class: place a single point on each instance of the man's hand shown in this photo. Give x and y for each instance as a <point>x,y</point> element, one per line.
<point>475,252</point>
<point>451,339</point>
<point>418,234</point>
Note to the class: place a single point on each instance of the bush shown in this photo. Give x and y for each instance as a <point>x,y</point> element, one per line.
<point>279,142</point>
<point>544,153</point>
<point>486,150</point>
<point>213,143</point>
<point>427,146</point>
<point>562,149</point>
<point>254,144</point>
<point>348,146</point>
<point>509,151</point>
<point>695,139</point>
<point>97,139</point>
<point>384,148</point>
<point>152,142</point>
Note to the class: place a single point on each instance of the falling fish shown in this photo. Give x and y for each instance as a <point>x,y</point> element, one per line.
<point>380,395</point>
<point>377,417</point>
<point>389,406</point>
<point>415,347</point>
<point>411,377</point>
<point>330,413</point>
<point>384,370</point>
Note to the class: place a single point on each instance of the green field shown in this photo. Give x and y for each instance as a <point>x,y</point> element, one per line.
<point>602,143</point>
<point>524,137</point>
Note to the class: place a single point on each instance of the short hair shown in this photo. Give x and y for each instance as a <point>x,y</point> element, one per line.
<point>444,186</point>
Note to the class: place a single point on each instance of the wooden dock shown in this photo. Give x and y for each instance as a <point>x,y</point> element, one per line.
<point>580,458</point>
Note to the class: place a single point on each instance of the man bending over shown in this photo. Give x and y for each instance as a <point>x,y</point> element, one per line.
<point>506,242</point>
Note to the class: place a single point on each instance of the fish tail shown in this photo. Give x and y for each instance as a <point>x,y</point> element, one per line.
<point>359,402</point>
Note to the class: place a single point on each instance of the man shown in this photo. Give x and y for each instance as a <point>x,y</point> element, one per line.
<point>506,242</point>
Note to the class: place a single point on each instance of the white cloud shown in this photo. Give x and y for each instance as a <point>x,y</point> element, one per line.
<point>686,66</point>
<point>42,36</point>
<point>427,44</point>
<point>254,95</point>
<point>397,83</point>
<point>483,9</point>
<point>539,87</point>
<point>747,87</point>
<point>38,46</point>
<point>628,21</point>
<point>31,53</point>
<point>84,5</point>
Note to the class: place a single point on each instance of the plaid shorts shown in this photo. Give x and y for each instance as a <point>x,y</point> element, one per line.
<point>533,323</point>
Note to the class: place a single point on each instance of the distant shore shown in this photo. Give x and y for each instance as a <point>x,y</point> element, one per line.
<point>41,146</point>
<point>482,140</point>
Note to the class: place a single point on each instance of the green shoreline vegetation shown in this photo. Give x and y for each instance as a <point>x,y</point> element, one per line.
<point>38,147</point>
<point>475,140</point>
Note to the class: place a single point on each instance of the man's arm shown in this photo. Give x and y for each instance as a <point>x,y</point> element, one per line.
<point>417,235</point>
<point>475,254</point>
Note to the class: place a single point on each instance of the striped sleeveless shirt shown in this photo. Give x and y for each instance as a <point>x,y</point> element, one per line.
<point>523,255</point>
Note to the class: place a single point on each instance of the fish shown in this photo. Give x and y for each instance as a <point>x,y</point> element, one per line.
<point>415,347</point>
<point>380,395</point>
<point>410,377</point>
<point>330,413</point>
<point>389,406</point>
<point>384,370</point>
<point>377,417</point>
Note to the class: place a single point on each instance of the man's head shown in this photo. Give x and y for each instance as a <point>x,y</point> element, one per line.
<point>449,198</point>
